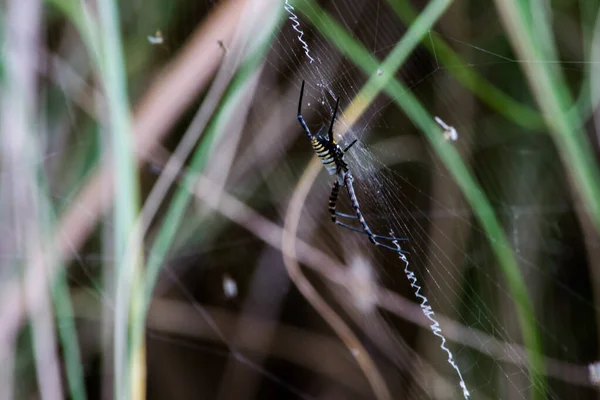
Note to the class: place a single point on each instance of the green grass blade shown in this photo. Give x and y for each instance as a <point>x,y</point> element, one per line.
<point>503,104</point>
<point>588,98</point>
<point>477,199</point>
<point>76,12</point>
<point>2,73</point>
<point>68,336</point>
<point>551,92</point>
<point>182,197</point>
<point>402,50</point>
<point>129,367</point>
<point>65,319</point>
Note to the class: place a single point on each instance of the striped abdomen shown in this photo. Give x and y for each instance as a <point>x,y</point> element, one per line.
<point>325,154</point>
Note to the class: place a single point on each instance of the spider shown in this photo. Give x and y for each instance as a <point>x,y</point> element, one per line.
<point>332,157</point>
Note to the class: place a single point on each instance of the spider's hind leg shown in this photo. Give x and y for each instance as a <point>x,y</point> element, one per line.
<point>365,227</point>
<point>368,233</point>
<point>340,214</point>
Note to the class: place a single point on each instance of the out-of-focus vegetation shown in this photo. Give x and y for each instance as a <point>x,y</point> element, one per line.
<point>165,223</point>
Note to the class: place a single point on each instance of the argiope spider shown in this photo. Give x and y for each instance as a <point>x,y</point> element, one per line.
<point>332,157</point>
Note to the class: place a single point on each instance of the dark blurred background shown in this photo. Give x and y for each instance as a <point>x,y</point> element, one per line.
<point>165,222</point>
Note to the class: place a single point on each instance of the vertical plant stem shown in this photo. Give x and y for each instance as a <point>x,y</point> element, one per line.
<point>550,90</point>
<point>25,202</point>
<point>129,360</point>
<point>68,336</point>
<point>182,197</point>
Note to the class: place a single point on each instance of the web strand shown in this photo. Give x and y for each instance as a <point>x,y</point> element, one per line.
<point>429,314</point>
<point>296,25</point>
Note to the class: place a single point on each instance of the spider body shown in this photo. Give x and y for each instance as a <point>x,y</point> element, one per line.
<point>332,158</point>
<point>331,155</point>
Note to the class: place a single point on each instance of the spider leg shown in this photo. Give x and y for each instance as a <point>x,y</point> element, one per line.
<point>335,190</point>
<point>340,214</point>
<point>365,227</point>
<point>350,145</point>
<point>332,211</point>
<point>359,230</point>
<point>302,122</point>
<point>330,132</point>
<point>320,130</point>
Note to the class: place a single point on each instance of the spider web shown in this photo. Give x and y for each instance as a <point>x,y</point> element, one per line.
<point>451,259</point>
<point>374,187</point>
<point>403,187</point>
